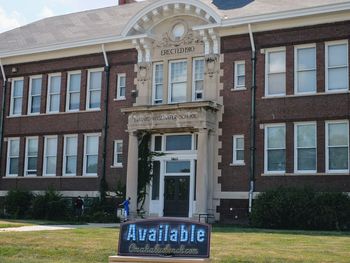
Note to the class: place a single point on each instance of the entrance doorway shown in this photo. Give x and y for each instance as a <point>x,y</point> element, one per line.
<point>176,196</point>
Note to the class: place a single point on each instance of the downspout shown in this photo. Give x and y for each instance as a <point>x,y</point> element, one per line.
<point>252,122</point>
<point>103,183</point>
<point>2,114</point>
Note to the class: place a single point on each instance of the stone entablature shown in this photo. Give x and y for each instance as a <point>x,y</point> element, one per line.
<point>185,116</point>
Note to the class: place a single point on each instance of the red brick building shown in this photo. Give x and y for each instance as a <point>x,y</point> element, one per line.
<point>240,96</point>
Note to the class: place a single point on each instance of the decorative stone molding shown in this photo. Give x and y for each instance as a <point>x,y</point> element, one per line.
<point>211,65</point>
<point>143,72</point>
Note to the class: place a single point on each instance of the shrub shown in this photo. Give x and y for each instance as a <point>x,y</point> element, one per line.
<point>17,203</point>
<point>293,208</point>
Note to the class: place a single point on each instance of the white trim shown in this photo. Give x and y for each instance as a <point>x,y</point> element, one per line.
<point>169,80</point>
<point>194,78</point>
<point>326,146</point>
<point>48,95</point>
<point>267,61</point>
<point>65,156</point>
<point>235,81</point>
<point>98,135</point>
<point>31,78</point>
<point>45,157</point>
<point>236,162</point>
<point>304,172</point>
<point>296,71</point>
<point>87,106</point>
<point>67,90</point>
<point>266,126</point>
<point>234,195</point>
<point>26,157</point>
<point>154,83</point>
<point>8,157</point>
<point>330,43</point>
<point>13,80</point>
<point>120,75</point>
<point>115,153</point>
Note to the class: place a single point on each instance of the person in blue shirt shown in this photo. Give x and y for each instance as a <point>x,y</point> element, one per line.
<point>126,204</point>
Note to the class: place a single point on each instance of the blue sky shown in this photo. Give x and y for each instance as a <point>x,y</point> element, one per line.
<point>15,13</point>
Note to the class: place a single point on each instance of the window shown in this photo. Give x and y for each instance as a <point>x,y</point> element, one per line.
<point>121,87</point>
<point>73,92</point>
<point>337,66</point>
<point>239,77</point>
<point>12,157</point>
<point>305,148</point>
<point>91,154</point>
<point>31,157</point>
<point>118,153</point>
<point>275,148</point>
<point>50,156</point>
<point>178,82</point>
<point>238,150</point>
<point>158,83</point>
<point>337,146</point>
<point>275,80</point>
<point>70,155</point>
<point>16,97</point>
<point>178,167</point>
<point>305,69</point>
<point>34,95</point>
<point>178,142</point>
<point>53,93</point>
<point>155,180</point>
<point>93,100</point>
<point>198,78</point>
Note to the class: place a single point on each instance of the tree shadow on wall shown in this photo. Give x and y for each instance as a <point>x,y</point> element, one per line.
<point>231,4</point>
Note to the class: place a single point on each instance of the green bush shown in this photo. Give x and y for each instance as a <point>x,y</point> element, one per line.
<point>293,208</point>
<point>17,203</point>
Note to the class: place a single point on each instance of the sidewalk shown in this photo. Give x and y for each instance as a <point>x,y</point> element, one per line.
<point>55,227</point>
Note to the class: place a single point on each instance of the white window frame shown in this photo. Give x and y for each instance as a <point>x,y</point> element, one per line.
<point>327,146</point>
<point>296,124</point>
<point>85,155</point>
<point>194,93</point>
<point>267,61</point>
<point>154,84</point>
<point>296,71</point>
<point>26,157</point>
<point>169,80</point>
<point>266,126</point>
<point>48,100</point>
<point>9,157</point>
<point>236,86</point>
<point>45,154</point>
<point>331,43</point>
<point>67,90</point>
<point>65,154</point>
<point>31,78</point>
<point>120,75</point>
<point>234,150</point>
<point>115,156</point>
<point>88,90</point>
<point>12,96</point>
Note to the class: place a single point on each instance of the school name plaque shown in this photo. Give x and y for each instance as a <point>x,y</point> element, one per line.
<point>165,238</point>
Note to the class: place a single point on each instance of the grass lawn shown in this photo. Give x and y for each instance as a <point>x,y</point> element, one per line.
<point>228,245</point>
<point>9,223</point>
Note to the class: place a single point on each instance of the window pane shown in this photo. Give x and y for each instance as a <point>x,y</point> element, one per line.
<point>91,165</point>
<point>240,69</point>
<point>95,80</point>
<point>241,81</point>
<point>92,145</point>
<point>17,106</point>
<point>159,73</point>
<point>159,92</point>
<point>71,146</point>
<point>122,91</point>
<point>119,147</point>
<point>307,81</point>
<point>32,161</point>
<point>178,167</point>
<point>178,142</point>
<point>158,143</point>
<point>71,165</point>
<point>239,143</point>
<point>306,135</point>
<point>337,78</point>
<point>337,55</point>
<point>36,87</point>
<point>122,81</point>
<point>32,147</point>
<point>51,147</point>
<point>155,181</point>
<point>74,82</point>
<point>18,88</point>
<point>276,137</point>
<point>35,104</point>
<point>51,165</point>
<point>13,166</point>
<point>307,159</point>
<point>276,160</point>
<point>178,92</point>
<point>14,148</point>
<point>54,103</point>
<point>277,84</point>
<point>306,58</point>
<point>119,158</point>
<point>239,155</point>
<point>179,71</point>
<point>338,158</point>
<point>74,101</point>
<point>338,134</point>
<point>95,99</point>
<point>277,61</point>
<point>55,84</point>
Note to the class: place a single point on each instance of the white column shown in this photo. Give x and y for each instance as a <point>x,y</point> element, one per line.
<point>202,173</point>
<point>132,172</point>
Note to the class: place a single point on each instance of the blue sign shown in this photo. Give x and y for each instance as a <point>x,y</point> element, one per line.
<point>165,237</point>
